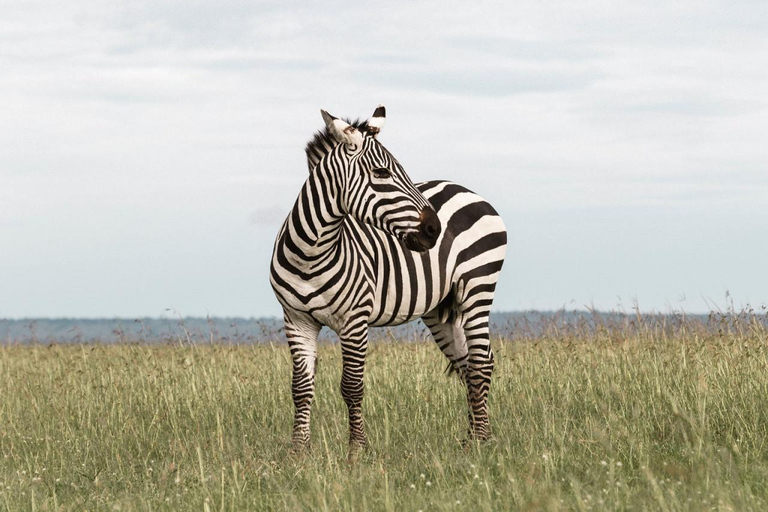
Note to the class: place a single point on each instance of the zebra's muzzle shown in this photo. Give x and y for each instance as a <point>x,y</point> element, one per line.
<point>429,231</point>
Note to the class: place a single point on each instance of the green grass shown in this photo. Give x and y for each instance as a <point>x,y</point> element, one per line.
<point>647,423</point>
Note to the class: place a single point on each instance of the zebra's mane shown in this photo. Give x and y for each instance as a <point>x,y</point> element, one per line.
<point>323,142</point>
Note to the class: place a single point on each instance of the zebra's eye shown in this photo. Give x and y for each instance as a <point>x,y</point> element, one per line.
<point>382,173</point>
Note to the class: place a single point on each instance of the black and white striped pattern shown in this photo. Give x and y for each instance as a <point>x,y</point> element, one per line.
<point>365,246</point>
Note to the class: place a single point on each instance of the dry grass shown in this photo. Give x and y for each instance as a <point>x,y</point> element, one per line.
<point>645,419</point>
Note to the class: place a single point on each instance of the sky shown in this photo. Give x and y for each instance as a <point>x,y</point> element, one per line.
<point>151,149</point>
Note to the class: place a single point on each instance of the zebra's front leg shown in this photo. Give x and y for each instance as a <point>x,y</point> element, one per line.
<point>354,344</point>
<point>302,340</point>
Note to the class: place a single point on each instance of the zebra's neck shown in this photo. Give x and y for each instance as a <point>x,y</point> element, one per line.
<point>315,222</point>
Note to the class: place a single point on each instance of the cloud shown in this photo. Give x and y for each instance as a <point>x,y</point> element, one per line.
<point>508,49</point>
<point>272,216</point>
<point>478,80</point>
<point>185,122</point>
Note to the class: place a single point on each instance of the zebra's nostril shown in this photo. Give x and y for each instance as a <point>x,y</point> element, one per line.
<point>430,226</point>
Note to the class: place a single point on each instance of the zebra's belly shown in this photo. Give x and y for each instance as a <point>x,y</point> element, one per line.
<point>397,317</point>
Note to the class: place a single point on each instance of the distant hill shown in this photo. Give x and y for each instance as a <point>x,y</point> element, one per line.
<point>513,325</point>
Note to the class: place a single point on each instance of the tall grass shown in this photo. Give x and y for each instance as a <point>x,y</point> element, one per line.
<point>603,418</point>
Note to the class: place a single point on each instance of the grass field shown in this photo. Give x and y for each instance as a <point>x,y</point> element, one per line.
<point>611,421</point>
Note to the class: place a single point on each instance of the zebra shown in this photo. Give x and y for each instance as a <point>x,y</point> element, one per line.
<point>363,246</point>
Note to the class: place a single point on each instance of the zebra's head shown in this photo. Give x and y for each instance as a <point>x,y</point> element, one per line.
<point>373,186</point>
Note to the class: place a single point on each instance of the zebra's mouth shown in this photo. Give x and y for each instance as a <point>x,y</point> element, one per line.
<point>413,242</point>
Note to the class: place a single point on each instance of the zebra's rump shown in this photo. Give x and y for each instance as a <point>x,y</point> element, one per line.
<point>464,263</point>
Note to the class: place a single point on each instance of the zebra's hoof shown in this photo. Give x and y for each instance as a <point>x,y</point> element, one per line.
<point>299,447</point>
<point>356,448</point>
<point>474,440</point>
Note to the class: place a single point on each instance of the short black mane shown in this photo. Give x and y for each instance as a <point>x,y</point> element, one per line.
<point>323,142</point>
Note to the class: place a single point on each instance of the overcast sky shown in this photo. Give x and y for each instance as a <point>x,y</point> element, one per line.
<point>150,150</point>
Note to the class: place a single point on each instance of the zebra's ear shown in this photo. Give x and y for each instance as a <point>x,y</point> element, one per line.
<point>376,121</point>
<point>342,131</point>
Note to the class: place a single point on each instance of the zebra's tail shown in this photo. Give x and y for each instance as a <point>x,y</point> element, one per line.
<point>451,368</point>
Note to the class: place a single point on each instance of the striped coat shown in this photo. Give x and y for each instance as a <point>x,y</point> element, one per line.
<point>363,246</point>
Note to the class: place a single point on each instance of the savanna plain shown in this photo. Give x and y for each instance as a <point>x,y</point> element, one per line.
<point>632,416</point>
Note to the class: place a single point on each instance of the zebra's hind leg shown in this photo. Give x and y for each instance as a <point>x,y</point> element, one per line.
<point>354,345</point>
<point>448,333</point>
<point>479,370</point>
<point>460,326</point>
<point>302,340</point>
<point>463,336</point>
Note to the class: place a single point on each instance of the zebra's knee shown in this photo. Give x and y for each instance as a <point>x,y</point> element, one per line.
<point>352,388</point>
<point>303,394</point>
<point>303,380</point>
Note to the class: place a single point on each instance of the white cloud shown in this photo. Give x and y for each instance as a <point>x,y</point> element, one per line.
<point>159,128</point>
